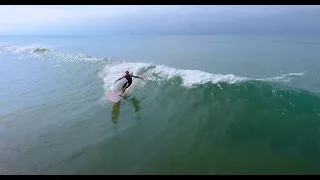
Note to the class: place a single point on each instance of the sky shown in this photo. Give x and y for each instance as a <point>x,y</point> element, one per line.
<point>174,19</point>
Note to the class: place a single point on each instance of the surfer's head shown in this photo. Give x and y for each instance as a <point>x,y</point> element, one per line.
<point>127,72</point>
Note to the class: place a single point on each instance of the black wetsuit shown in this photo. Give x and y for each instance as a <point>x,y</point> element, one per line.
<point>129,79</point>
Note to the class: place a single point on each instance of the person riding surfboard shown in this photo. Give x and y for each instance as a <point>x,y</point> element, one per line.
<point>129,81</point>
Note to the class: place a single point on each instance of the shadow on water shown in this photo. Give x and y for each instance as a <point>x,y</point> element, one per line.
<point>115,113</point>
<point>136,105</point>
<point>116,109</point>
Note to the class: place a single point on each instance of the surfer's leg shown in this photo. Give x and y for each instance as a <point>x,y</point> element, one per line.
<point>124,88</point>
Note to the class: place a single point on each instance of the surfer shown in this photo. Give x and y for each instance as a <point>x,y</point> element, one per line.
<point>129,81</point>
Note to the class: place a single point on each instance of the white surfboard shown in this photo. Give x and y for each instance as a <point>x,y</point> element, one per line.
<point>114,97</point>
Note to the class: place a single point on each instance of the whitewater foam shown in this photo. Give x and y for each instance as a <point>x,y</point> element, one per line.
<point>196,77</point>
<point>159,73</point>
<point>114,71</point>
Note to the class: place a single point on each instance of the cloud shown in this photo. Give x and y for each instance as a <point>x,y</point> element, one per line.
<point>157,19</point>
<point>215,19</point>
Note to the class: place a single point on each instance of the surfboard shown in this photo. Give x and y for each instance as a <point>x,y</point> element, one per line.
<point>114,97</point>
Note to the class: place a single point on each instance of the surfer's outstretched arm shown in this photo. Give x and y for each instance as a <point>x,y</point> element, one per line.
<point>119,79</point>
<point>137,77</point>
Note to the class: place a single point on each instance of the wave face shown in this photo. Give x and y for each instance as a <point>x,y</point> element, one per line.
<point>175,121</point>
<point>222,122</point>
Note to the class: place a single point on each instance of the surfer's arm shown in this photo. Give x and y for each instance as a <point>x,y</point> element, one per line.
<point>119,79</point>
<point>137,77</point>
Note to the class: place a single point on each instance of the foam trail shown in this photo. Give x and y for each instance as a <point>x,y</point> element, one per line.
<point>48,54</point>
<point>284,77</point>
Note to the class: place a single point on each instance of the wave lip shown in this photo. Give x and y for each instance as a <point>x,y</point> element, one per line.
<point>190,78</point>
<point>196,77</point>
<point>148,71</point>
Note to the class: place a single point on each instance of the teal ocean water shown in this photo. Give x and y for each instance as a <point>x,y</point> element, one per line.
<point>207,105</point>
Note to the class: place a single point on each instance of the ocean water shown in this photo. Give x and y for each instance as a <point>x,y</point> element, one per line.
<point>207,105</point>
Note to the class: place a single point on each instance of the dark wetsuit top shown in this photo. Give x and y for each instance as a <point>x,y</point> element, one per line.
<point>129,78</point>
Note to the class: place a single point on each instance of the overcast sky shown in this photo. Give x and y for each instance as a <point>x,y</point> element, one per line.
<point>97,20</point>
